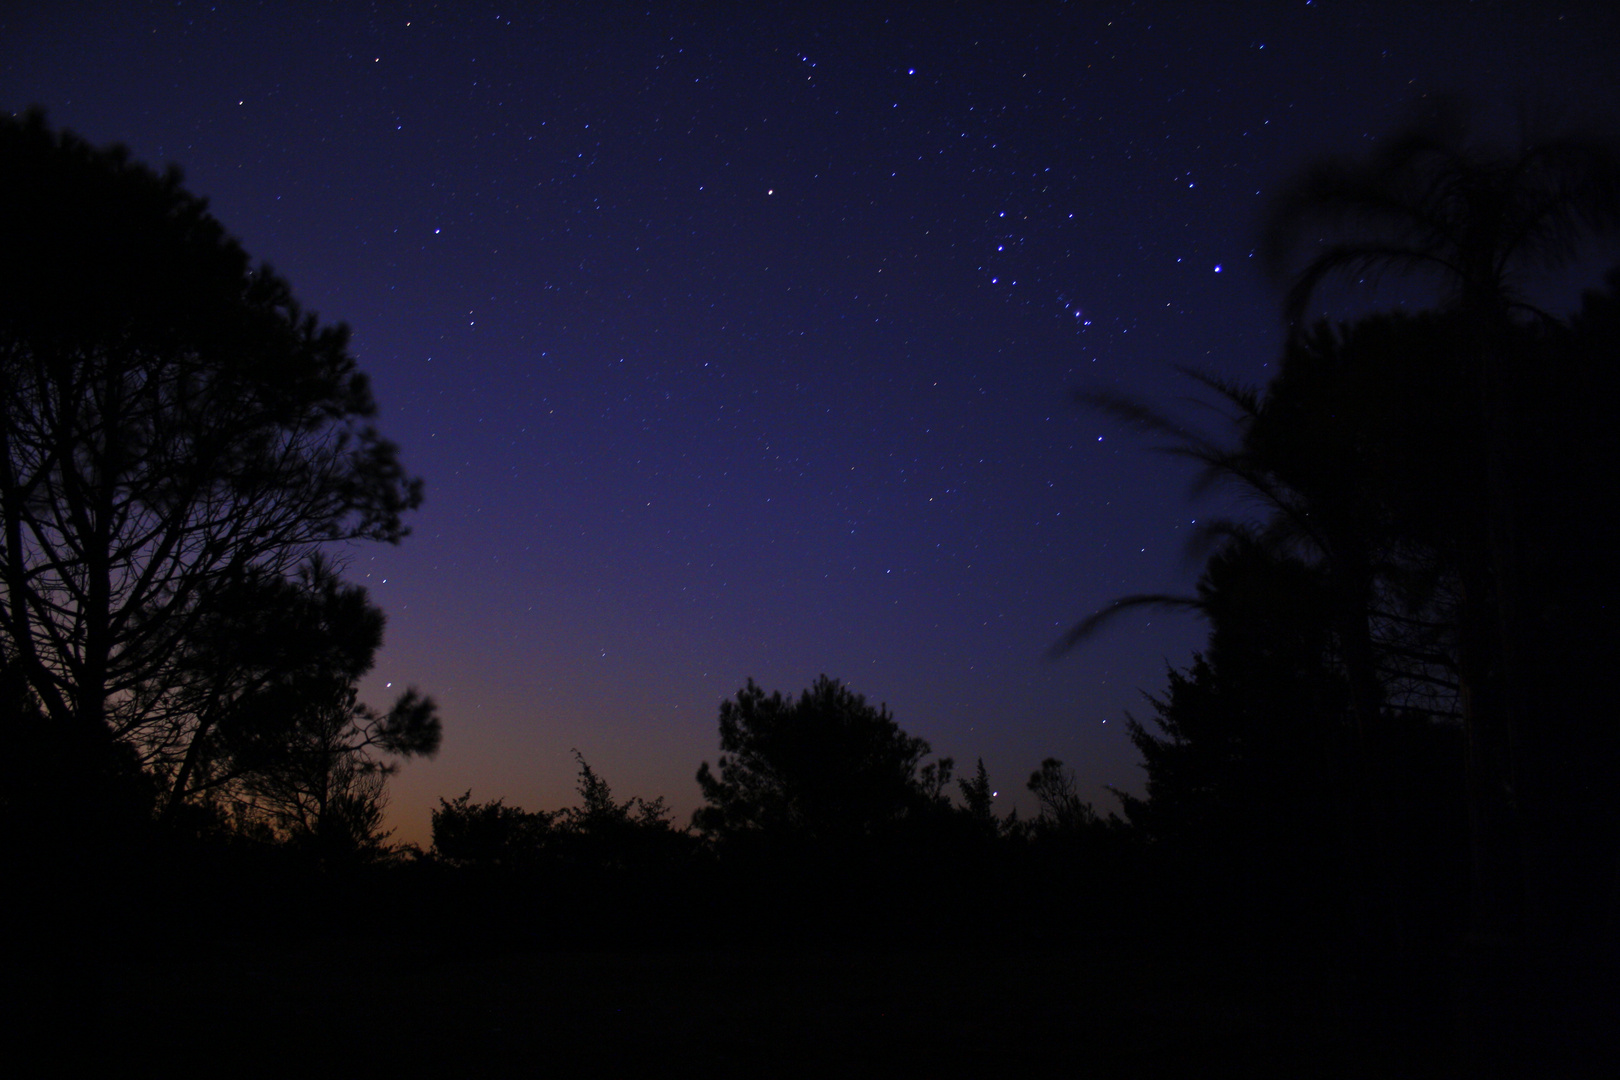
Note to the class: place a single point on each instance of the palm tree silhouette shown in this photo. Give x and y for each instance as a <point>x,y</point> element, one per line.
<point>1481,225</point>
<point>1386,455</point>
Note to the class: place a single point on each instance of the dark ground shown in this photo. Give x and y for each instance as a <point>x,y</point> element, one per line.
<point>256,1010</point>
<point>248,970</point>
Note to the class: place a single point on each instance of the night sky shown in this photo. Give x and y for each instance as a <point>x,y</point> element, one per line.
<point>744,345</point>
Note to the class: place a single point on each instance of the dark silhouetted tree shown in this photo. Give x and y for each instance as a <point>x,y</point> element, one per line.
<point>173,430</point>
<point>604,834</point>
<point>1479,224</point>
<point>978,800</point>
<point>1058,797</point>
<point>274,731</point>
<point>1244,764</point>
<point>321,782</point>
<point>599,834</point>
<point>60,794</point>
<point>491,836</point>
<point>824,770</point>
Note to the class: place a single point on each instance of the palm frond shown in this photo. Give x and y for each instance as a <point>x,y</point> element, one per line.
<point>1091,624</point>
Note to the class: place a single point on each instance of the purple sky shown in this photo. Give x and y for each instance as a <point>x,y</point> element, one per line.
<point>742,345</point>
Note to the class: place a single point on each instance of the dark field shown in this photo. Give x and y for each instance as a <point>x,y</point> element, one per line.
<point>378,1010</point>
<point>237,967</point>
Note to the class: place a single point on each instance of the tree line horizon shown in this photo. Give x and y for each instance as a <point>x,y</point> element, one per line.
<point>1396,744</point>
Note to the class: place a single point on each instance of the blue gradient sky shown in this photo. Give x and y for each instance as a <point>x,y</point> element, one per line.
<point>735,344</point>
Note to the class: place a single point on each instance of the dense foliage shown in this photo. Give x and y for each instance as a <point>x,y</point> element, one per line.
<point>178,440</point>
<point>823,770</point>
